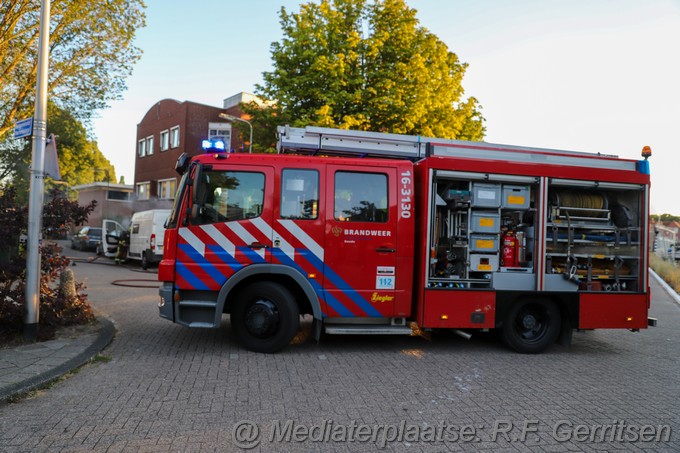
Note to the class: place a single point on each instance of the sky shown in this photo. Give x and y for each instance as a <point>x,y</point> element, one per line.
<point>582,75</point>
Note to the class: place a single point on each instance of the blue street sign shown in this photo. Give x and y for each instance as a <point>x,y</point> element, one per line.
<point>23,128</point>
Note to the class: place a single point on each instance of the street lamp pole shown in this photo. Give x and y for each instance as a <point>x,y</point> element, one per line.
<point>228,117</point>
<point>37,181</point>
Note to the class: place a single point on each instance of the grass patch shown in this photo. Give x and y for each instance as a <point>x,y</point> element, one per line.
<point>668,271</point>
<point>101,358</point>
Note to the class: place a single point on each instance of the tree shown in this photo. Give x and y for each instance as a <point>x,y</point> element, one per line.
<point>91,53</point>
<point>364,65</point>
<point>80,160</point>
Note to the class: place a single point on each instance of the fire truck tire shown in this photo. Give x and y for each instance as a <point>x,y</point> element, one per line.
<point>265,317</point>
<point>531,326</point>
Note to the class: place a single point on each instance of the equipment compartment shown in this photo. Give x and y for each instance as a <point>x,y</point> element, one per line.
<point>593,236</point>
<point>480,229</point>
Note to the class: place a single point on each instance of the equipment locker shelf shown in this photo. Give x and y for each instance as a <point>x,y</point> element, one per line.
<point>470,219</point>
<point>593,238</point>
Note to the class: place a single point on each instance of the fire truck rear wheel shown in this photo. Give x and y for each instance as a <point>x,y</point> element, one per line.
<point>265,317</point>
<point>531,326</point>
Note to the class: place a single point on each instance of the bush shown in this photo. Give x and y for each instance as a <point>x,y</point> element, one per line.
<point>57,309</point>
<point>666,270</point>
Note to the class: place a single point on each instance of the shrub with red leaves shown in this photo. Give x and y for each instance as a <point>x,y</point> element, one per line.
<point>56,309</point>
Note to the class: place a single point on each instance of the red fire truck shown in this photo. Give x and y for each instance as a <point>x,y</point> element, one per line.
<point>373,233</point>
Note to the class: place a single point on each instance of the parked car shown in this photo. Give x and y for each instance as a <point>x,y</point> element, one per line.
<point>88,238</point>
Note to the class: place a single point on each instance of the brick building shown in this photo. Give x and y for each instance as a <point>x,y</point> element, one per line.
<point>171,128</point>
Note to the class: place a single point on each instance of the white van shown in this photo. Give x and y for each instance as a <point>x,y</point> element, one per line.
<point>147,231</point>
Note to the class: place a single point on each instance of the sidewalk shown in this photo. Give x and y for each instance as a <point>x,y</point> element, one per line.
<point>32,366</point>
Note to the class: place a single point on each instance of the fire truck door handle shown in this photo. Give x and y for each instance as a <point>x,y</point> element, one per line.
<point>258,245</point>
<point>385,250</point>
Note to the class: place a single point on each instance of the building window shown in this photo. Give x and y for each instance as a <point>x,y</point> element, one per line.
<point>166,189</point>
<point>143,190</point>
<point>165,140</point>
<point>149,145</point>
<point>117,195</point>
<point>141,148</point>
<point>360,197</point>
<point>174,137</point>
<point>300,194</point>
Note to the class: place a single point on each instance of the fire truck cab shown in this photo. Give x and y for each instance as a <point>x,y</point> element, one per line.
<point>373,233</point>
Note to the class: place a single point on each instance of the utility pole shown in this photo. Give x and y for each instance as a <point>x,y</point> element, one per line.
<point>37,181</point>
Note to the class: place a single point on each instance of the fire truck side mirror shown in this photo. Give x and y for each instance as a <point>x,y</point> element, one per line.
<point>198,189</point>
<point>182,164</point>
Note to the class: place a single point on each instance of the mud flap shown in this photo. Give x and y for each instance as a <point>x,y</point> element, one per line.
<point>316,329</point>
<point>566,333</point>
<point>165,305</point>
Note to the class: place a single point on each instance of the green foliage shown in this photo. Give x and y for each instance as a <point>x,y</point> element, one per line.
<point>91,54</point>
<point>665,218</point>
<point>364,65</point>
<point>80,160</point>
<point>55,309</point>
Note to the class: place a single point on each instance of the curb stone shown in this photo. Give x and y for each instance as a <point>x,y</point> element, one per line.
<point>105,334</point>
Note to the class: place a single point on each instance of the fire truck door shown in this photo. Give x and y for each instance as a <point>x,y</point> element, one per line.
<point>229,226</point>
<point>361,241</point>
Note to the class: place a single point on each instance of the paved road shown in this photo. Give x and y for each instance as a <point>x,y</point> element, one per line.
<point>167,388</point>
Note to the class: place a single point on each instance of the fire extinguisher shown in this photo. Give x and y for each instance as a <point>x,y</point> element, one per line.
<point>509,250</point>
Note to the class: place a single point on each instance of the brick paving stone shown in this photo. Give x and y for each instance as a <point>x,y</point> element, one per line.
<point>167,388</point>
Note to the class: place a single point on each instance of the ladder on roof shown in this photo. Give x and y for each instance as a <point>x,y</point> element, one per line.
<point>342,142</point>
<point>329,141</point>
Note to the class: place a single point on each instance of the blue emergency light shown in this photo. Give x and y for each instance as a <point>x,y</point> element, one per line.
<point>214,145</point>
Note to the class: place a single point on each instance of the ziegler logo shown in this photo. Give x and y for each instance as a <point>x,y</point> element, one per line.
<point>336,231</point>
<point>381,298</point>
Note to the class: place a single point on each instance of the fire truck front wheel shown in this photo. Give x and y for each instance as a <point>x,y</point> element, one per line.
<point>531,326</point>
<point>265,317</point>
